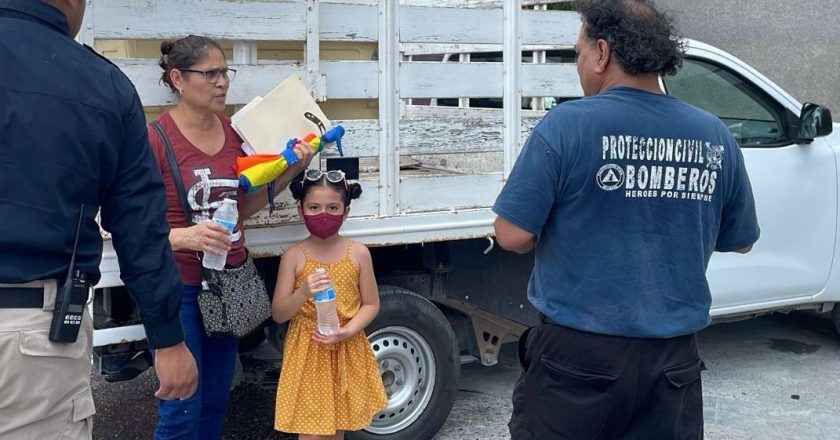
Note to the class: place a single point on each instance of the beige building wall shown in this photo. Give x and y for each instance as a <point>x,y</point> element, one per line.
<point>794,42</point>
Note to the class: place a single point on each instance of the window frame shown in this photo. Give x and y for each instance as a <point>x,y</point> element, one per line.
<point>784,117</point>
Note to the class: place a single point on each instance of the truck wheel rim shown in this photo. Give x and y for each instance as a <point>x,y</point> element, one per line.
<point>407,366</point>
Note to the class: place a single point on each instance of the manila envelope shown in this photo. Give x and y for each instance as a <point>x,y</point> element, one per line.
<point>289,111</point>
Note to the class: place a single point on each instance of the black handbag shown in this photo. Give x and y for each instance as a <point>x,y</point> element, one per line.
<point>233,301</point>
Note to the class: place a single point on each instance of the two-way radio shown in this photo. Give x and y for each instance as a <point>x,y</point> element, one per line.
<point>70,299</point>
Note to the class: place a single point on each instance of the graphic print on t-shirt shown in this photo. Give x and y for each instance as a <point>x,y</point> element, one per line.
<point>648,167</point>
<point>204,187</point>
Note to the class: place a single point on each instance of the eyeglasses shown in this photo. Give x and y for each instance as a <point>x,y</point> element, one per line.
<point>212,76</point>
<point>333,176</point>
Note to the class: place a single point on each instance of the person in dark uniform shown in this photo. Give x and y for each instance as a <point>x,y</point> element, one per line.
<point>624,195</point>
<point>72,133</point>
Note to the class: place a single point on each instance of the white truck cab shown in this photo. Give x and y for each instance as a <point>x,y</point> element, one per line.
<point>795,183</point>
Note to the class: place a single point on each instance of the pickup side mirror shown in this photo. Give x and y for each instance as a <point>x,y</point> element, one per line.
<point>814,121</point>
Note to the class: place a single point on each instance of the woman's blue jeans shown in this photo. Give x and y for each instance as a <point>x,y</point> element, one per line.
<point>202,415</point>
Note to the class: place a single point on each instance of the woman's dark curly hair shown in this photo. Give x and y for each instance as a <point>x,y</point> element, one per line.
<point>300,188</point>
<point>642,39</point>
<point>183,53</point>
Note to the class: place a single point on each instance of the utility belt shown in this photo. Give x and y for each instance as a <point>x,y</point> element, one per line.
<point>31,295</point>
<point>66,301</point>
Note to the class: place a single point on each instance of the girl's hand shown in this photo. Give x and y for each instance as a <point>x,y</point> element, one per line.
<point>209,237</point>
<point>316,282</point>
<point>342,334</point>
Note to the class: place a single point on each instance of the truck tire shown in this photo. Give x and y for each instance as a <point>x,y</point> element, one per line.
<point>417,353</point>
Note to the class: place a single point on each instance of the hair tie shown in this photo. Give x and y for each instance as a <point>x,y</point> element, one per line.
<point>165,59</point>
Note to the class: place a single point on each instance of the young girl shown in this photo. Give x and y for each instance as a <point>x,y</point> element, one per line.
<point>329,383</point>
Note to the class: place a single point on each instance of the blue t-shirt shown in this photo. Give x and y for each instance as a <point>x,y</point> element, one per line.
<point>628,194</point>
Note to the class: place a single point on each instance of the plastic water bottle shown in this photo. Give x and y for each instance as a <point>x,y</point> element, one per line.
<point>325,306</point>
<point>226,215</point>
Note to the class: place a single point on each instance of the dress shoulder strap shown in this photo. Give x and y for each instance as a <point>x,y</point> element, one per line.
<point>348,249</point>
<point>303,249</point>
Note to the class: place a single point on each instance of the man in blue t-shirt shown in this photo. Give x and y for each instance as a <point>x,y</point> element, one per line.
<point>624,195</point>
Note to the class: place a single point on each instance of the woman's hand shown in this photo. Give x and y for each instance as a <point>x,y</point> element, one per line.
<point>304,154</point>
<point>335,338</point>
<point>208,237</point>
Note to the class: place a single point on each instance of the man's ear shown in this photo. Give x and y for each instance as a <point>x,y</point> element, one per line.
<point>604,55</point>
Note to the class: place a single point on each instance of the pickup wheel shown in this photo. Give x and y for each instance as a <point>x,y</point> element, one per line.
<point>835,316</point>
<point>417,353</point>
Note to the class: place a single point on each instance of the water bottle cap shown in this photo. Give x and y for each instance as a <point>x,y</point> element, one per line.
<point>326,295</point>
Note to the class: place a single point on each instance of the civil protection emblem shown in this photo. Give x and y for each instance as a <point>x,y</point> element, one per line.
<point>610,177</point>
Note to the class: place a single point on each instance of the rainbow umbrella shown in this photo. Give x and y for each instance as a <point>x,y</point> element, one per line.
<point>261,169</point>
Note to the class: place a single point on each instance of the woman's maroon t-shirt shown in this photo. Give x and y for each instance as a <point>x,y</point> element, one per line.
<point>207,181</point>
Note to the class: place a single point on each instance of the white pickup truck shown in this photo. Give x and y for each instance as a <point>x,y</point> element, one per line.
<point>431,173</point>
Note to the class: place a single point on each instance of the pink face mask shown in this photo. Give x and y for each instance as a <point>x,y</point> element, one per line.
<point>323,225</point>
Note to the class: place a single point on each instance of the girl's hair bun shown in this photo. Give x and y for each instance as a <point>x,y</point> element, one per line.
<point>296,187</point>
<point>354,190</point>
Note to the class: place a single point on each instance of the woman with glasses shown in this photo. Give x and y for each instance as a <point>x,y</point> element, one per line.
<point>205,147</point>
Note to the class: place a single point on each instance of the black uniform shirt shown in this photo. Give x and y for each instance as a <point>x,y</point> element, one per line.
<point>72,132</point>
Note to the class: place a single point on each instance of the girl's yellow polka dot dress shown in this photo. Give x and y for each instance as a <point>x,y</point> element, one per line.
<point>328,388</point>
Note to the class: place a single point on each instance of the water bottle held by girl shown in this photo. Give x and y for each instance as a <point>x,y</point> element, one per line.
<point>325,306</point>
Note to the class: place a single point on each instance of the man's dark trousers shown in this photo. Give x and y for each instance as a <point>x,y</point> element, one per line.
<point>580,386</point>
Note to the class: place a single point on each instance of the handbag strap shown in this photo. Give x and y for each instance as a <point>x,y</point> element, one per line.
<point>173,168</point>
